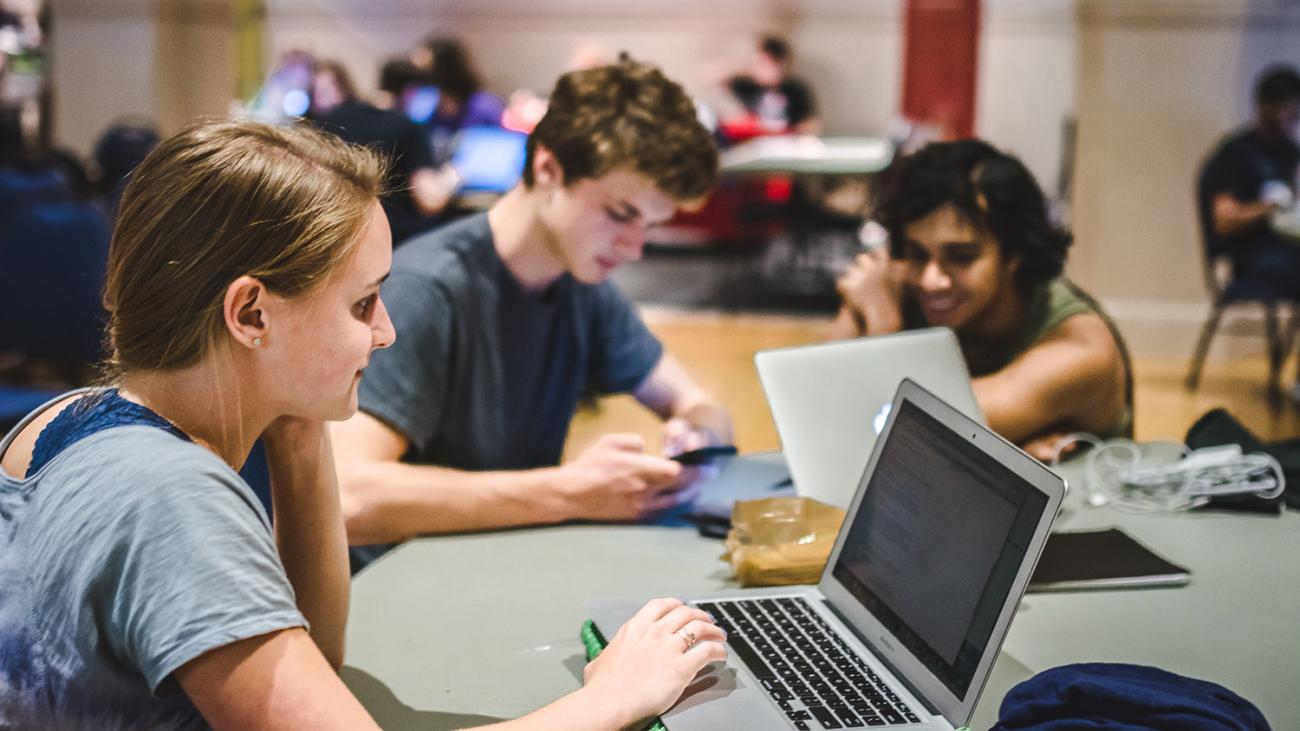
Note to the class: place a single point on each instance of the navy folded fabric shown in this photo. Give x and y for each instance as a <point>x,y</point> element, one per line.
<point>1117,697</point>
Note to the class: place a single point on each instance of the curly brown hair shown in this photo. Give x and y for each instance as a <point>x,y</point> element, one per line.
<point>627,115</point>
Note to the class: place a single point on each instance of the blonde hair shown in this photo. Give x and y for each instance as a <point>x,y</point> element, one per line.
<point>217,201</point>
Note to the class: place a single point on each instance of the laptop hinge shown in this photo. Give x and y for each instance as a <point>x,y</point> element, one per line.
<point>882,659</point>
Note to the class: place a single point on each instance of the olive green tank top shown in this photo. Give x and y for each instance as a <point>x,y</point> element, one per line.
<point>1053,304</point>
<point>1049,305</point>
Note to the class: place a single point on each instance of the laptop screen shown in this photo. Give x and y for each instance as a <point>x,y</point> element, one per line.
<point>489,159</point>
<point>936,543</point>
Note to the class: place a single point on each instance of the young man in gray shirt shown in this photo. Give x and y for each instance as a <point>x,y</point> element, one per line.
<point>507,319</point>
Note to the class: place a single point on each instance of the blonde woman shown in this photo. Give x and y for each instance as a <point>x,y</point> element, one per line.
<point>142,583</point>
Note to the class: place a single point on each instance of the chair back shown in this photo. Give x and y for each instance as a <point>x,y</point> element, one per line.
<point>1216,266</point>
<point>55,250</point>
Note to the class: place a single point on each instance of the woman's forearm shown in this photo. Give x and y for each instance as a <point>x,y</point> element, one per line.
<point>309,529</point>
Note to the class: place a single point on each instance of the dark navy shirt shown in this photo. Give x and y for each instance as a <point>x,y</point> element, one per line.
<point>485,375</point>
<point>1241,166</point>
<point>90,415</point>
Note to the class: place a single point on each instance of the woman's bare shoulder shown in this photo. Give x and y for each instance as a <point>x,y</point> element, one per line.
<point>19,454</point>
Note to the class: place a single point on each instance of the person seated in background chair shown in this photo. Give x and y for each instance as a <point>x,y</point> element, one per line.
<point>508,319</point>
<point>53,248</point>
<point>971,248</point>
<point>416,189</point>
<point>117,152</point>
<point>1250,176</point>
<point>771,101</point>
<point>398,77</point>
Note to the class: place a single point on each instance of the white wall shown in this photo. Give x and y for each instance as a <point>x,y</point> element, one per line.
<point>1027,81</point>
<point>166,60</point>
<point>102,65</point>
<point>1161,81</point>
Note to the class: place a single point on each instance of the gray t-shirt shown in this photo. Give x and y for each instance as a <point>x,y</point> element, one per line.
<point>129,554</point>
<point>484,374</point>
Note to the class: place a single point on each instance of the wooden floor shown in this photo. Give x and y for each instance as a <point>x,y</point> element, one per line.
<point>718,350</point>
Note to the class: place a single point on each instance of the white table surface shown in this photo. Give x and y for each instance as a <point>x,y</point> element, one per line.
<point>452,631</point>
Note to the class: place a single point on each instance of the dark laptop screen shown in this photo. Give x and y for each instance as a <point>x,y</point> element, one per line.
<point>934,547</point>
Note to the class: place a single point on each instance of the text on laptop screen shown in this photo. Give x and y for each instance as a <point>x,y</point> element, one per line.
<point>936,543</point>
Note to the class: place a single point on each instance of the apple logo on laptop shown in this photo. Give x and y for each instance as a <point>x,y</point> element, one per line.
<point>879,421</point>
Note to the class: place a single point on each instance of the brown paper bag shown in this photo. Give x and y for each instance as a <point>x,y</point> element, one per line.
<point>781,540</point>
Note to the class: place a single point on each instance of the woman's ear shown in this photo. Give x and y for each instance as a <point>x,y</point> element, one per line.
<point>244,311</point>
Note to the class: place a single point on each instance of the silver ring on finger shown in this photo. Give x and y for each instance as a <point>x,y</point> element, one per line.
<point>687,637</point>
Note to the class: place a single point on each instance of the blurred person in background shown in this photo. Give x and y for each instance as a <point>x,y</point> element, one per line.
<point>118,151</point>
<point>331,86</point>
<point>416,190</point>
<point>769,100</point>
<point>1250,176</point>
<point>53,247</point>
<point>398,78</point>
<point>20,27</point>
<point>462,100</point>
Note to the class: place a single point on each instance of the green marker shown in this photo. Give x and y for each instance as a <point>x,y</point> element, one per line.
<point>594,641</point>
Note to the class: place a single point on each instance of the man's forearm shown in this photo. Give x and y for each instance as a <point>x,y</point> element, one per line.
<point>386,502</point>
<point>1233,217</point>
<point>711,418</point>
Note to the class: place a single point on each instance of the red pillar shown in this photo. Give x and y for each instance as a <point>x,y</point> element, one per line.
<point>940,62</point>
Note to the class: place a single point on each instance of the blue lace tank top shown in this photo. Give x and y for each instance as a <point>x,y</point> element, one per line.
<point>90,415</point>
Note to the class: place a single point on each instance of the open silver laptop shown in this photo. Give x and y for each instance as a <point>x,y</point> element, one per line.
<point>829,401</point>
<point>902,631</point>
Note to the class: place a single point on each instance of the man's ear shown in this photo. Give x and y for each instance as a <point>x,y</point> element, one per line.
<point>547,172</point>
<point>244,311</point>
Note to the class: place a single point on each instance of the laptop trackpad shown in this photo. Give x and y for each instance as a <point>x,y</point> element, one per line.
<point>711,700</point>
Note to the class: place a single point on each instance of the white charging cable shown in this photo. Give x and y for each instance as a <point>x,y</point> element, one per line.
<point>1143,479</point>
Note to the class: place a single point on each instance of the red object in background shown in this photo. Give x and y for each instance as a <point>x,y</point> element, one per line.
<point>746,127</point>
<point>778,188</point>
<point>940,64</point>
<point>716,221</point>
<point>740,211</point>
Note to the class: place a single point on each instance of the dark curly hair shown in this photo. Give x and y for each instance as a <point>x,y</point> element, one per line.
<point>452,71</point>
<point>992,190</point>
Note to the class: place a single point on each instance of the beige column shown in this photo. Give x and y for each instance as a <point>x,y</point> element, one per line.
<point>194,66</point>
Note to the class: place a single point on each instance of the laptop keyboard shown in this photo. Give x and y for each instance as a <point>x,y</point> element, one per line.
<point>809,670</point>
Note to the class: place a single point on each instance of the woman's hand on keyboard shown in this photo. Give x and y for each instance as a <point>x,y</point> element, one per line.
<point>653,657</point>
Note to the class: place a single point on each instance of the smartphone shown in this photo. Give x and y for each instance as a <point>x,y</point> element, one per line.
<point>704,455</point>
